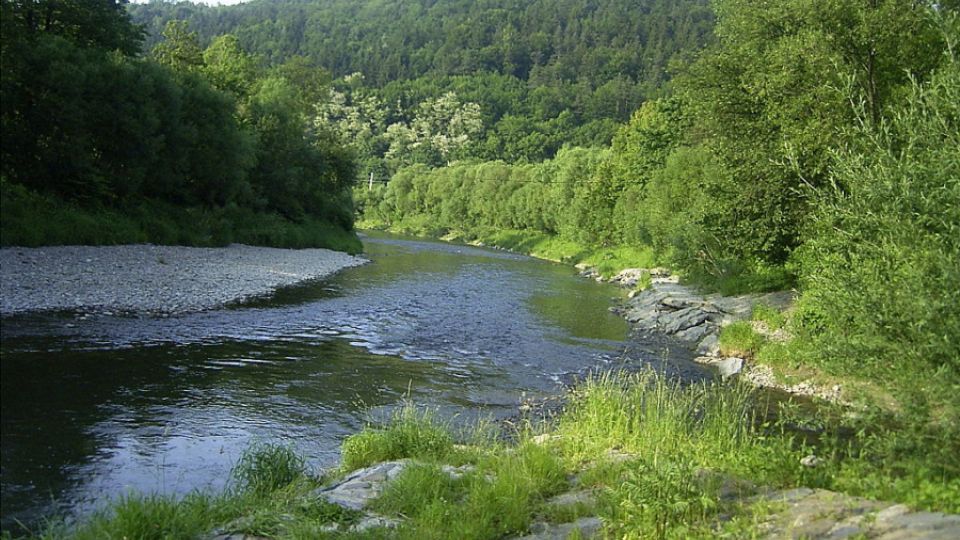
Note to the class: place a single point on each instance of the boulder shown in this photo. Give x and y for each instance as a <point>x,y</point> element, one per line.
<point>728,367</point>
<point>675,321</point>
<point>360,487</point>
<point>588,527</point>
<point>709,345</point>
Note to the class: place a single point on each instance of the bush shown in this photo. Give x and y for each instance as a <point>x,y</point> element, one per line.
<point>880,270</point>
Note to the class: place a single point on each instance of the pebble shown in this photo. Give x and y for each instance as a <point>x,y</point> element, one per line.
<point>153,279</point>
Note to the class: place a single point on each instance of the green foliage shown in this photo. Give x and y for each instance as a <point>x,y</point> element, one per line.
<point>180,49</point>
<point>879,270</point>
<point>417,487</point>
<point>148,517</point>
<point>771,316</point>
<point>535,76</point>
<point>104,24</point>
<point>31,219</point>
<point>409,432</point>
<point>498,497</point>
<point>661,498</point>
<point>263,469</point>
<point>770,102</point>
<point>740,339</point>
<point>203,131</point>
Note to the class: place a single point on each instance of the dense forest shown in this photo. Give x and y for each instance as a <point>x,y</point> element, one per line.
<point>812,145</point>
<point>104,142</point>
<point>431,82</point>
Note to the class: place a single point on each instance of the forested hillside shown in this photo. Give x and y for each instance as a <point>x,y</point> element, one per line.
<point>526,77</point>
<point>103,143</point>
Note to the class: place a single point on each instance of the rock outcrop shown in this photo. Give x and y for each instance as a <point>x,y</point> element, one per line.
<point>682,313</point>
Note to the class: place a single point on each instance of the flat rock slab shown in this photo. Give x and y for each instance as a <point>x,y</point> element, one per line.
<point>360,487</point>
<point>574,498</point>
<point>821,514</point>
<point>588,527</point>
<point>153,279</point>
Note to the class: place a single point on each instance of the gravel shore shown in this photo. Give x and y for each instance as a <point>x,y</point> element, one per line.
<point>153,279</point>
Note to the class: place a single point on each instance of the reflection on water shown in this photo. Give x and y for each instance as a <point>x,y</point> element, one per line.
<point>96,406</point>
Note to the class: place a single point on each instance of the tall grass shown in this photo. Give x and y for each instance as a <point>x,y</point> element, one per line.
<point>663,460</point>
<point>409,432</point>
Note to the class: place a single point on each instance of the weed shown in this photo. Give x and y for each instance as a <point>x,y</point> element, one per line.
<point>409,432</point>
<point>773,317</point>
<point>263,469</point>
<point>740,339</point>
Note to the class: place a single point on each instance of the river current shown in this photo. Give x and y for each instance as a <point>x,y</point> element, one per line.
<point>98,406</point>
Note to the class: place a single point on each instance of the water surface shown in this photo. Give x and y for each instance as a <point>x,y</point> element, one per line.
<point>96,406</point>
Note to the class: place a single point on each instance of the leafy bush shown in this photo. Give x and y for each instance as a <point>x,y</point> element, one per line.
<point>880,268</point>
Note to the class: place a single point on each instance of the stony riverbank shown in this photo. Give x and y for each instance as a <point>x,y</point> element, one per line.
<point>153,279</point>
<point>778,513</point>
<point>668,308</point>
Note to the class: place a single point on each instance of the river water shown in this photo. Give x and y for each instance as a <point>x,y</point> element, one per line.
<point>96,407</point>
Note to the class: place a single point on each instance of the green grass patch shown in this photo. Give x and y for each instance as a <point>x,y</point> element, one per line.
<point>771,316</point>
<point>410,432</point>
<point>264,468</point>
<point>740,339</point>
<point>735,277</point>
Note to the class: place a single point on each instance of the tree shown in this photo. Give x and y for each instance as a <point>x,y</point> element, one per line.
<point>228,67</point>
<point>180,48</point>
<point>102,24</point>
<point>771,100</point>
<point>441,131</point>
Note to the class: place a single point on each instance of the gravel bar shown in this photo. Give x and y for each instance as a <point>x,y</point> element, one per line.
<point>153,279</point>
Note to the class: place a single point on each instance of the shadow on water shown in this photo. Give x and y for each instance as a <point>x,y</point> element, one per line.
<point>96,406</point>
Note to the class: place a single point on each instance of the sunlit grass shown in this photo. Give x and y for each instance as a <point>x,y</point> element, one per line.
<point>662,459</point>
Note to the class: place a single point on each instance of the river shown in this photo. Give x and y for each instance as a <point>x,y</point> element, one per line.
<point>95,407</point>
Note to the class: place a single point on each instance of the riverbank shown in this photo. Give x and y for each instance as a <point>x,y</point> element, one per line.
<point>632,456</point>
<point>606,261</point>
<point>153,279</point>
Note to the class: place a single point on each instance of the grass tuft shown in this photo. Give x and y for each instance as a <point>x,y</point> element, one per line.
<point>264,468</point>
<point>740,339</point>
<point>409,432</point>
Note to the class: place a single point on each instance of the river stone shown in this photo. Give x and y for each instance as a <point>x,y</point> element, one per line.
<point>728,367</point>
<point>674,322</point>
<point>709,345</point>
<point>682,301</point>
<point>360,487</point>
<point>588,527</point>
<point>821,514</point>
<point>374,522</point>
<point>695,333</point>
<point>571,498</point>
